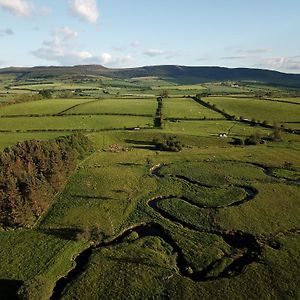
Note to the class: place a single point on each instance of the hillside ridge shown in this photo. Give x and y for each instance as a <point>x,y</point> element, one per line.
<point>176,73</point>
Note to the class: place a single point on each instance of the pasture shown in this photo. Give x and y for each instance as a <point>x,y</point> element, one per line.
<point>118,106</point>
<point>76,123</point>
<point>258,109</point>
<point>133,222</point>
<point>41,107</point>
<point>186,108</point>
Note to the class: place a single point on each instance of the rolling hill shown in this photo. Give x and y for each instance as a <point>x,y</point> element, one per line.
<point>178,74</point>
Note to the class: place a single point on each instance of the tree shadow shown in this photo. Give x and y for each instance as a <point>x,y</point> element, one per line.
<point>93,197</point>
<point>9,289</point>
<point>68,234</point>
<point>129,164</point>
<point>138,142</point>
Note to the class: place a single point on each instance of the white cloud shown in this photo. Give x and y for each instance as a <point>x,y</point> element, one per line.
<point>154,52</point>
<point>43,10</point>
<point>158,52</point>
<point>24,8</point>
<point>234,57</point>
<point>108,59</point>
<point>21,8</point>
<point>85,9</point>
<point>6,31</point>
<point>62,50</point>
<point>66,32</point>
<point>282,63</point>
<point>255,51</point>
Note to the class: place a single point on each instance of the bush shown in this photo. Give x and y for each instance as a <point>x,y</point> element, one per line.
<point>164,94</point>
<point>46,94</point>
<point>237,141</point>
<point>37,288</point>
<point>254,139</point>
<point>168,144</point>
<point>277,134</point>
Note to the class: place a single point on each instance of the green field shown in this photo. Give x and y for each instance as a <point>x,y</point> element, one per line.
<point>66,123</point>
<point>118,106</point>
<point>215,220</point>
<point>258,109</point>
<point>187,108</point>
<point>52,106</point>
<point>9,139</point>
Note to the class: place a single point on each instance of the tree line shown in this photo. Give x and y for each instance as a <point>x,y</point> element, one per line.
<point>32,172</point>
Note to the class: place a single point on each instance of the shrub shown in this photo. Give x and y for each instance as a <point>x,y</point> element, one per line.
<point>168,144</point>
<point>164,94</point>
<point>254,139</point>
<point>46,94</point>
<point>277,134</point>
<point>237,141</point>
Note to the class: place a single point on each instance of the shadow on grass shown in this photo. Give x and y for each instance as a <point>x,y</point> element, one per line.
<point>69,234</point>
<point>138,142</point>
<point>9,289</point>
<point>93,197</point>
<point>129,164</point>
<point>148,145</point>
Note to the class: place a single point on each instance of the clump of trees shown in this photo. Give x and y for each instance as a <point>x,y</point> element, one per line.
<point>158,120</point>
<point>170,143</point>
<point>95,234</point>
<point>46,94</point>
<point>22,98</point>
<point>254,139</point>
<point>32,172</point>
<point>205,93</point>
<point>164,94</point>
<point>277,134</point>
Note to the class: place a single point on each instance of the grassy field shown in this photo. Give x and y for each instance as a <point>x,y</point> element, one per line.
<point>288,99</point>
<point>66,123</point>
<point>186,108</point>
<point>214,220</point>
<point>257,108</point>
<point>50,106</point>
<point>118,106</point>
<point>10,139</point>
<point>36,257</point>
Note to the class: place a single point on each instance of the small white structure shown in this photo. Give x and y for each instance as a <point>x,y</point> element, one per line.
<point>223,135</point>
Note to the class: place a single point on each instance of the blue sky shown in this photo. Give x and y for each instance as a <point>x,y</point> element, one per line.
<point>119,33</point>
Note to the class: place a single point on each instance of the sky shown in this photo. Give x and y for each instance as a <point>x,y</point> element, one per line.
<point>131,33</point>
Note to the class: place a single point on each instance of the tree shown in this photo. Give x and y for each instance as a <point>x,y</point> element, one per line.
<point>168,144</point>
<point>277,134</point>
<point>254,139</point>
<point>46,94</point>
<point>164,94</point>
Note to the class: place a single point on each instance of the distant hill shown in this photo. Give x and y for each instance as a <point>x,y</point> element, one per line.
<point>180,74</point>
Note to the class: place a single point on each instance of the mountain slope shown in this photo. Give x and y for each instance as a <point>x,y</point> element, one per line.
<point>174,73</point>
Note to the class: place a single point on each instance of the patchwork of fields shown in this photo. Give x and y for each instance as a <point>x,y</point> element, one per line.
<point>133,222</point>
